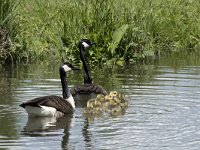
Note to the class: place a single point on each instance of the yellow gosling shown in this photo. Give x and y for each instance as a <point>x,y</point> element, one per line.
<point>88,111</point>
<point>117,113</point>
<point>100,96</point>
<point>124,104</point>
<point>91,111</point>
<point>112,106</point>
<point>108,97</point>
<point>89,108</point>
<point>120,99</point>
<point>113,93</point>
<point>90,103</point>
<point>93,107</point>
<point>104,102</point>
<point>114,103</point>
<point>97,106</point>
<point>117,99</point>
<point>121,96</point>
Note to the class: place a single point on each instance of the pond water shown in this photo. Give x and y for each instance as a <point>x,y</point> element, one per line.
<point>163,111</point>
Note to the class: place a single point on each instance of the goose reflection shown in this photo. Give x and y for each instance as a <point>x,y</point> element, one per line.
<point>88,120</point>
<point>87,135</point>
<point>47,126</point>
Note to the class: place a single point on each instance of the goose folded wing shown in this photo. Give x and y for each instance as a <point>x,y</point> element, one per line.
<point>59,104</point>
<point>88,88</point>
<point>56,102</point>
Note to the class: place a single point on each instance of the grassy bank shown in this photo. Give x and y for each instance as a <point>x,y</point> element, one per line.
<point>128,30</point>
<point>7,8</point>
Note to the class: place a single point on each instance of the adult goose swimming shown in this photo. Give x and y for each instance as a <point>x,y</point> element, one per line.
<point>88,90</point>
<point>53,105</point>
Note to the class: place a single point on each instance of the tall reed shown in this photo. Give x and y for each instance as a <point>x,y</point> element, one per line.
<point>127,30</point>
<point>7,29</point>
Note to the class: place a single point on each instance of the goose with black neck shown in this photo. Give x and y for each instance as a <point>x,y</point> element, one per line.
<point>88,90</point>
<point>53,105</point>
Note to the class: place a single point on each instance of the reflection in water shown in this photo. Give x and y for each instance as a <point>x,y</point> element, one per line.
<point>92,116</point>
<point>39,124</point>
<point>44,126</point>
<point>89,120</point>
<point>87,135</point>
<point>8,111</point>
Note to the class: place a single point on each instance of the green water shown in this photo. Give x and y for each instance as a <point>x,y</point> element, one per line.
<point>163,111</point>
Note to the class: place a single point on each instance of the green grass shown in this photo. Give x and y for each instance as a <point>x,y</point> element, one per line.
<point>5,17</point>
<point>128,30</point>
<point>7,28</point>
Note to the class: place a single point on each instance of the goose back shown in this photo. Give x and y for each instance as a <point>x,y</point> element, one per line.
<point>87,89</point>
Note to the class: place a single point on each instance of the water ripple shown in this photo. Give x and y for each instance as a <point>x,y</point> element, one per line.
<point>163,113</point>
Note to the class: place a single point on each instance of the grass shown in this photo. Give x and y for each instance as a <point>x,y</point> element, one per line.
<point>7,28</point>
<point>128,30</point>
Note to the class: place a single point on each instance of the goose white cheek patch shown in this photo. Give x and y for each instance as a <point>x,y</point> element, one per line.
<point>66,68</point>
<point>85,44</point>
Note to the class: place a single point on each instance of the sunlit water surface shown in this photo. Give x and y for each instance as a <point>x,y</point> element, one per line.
<point>163,111</point>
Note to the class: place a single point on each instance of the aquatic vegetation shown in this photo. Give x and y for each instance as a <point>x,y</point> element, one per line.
<point>128,30</point>
<point>7,29</point>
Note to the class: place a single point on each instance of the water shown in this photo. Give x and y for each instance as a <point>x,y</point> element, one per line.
<point>163,111</point>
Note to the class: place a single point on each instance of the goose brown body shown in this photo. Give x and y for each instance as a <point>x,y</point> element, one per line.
<point>57,102</point>
<point>53,105</point>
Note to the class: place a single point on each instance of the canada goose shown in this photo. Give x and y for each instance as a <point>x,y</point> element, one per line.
<point>53,105</point>
<point>88,90</point>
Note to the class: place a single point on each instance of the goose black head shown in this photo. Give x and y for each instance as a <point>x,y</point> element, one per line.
<point>66,66</point>
<point>86,43</point>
